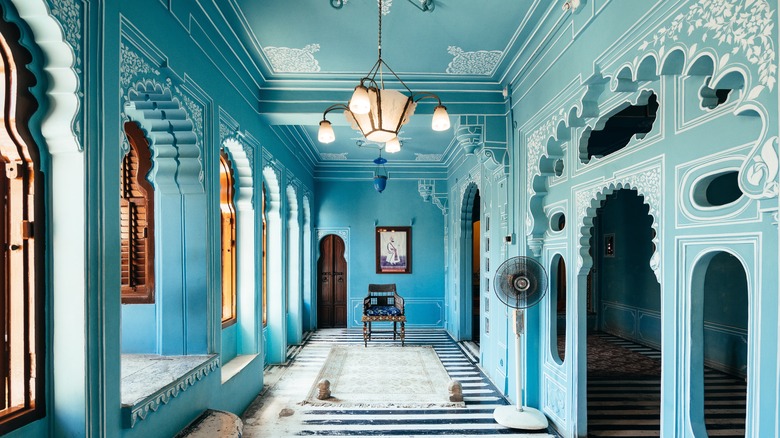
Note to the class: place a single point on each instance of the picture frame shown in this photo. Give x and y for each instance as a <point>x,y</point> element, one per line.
<point>393,250</point>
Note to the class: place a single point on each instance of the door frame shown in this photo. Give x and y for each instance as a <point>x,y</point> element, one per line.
<point>343,233</point>
<point>465,329</point>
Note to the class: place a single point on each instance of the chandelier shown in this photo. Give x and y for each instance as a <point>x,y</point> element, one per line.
<point>379,113</point>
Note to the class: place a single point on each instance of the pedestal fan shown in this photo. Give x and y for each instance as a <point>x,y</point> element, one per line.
<point>520,283</point>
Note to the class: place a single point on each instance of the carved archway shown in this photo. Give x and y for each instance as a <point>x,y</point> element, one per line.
<point>470,194</point>
<point>177,167</point>
<point>248,303</point>
<point>294,298</point>
<point>276,304</point>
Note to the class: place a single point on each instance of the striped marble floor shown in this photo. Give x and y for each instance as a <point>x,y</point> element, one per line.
<point>630,407</point>
<point>276,412</point>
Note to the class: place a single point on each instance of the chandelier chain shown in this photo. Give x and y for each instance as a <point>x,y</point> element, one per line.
<point>379,44</point>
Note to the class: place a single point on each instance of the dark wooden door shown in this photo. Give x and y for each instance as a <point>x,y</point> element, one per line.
<point>332,283</point>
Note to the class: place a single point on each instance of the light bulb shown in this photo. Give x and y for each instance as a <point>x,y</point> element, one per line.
<point>326,134</point>
<point>360,103</point>
<point>441,120</point>
<point>393,145</point>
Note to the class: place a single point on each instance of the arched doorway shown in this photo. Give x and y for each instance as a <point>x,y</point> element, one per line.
<point>719,344</point>
<point>623,354</point>
<point>331,283</point>
<point>470,267</point>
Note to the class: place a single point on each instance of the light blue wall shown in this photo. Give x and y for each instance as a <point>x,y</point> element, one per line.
<point>577,68</point>
<point>594,61</point>
<point>356,205</point>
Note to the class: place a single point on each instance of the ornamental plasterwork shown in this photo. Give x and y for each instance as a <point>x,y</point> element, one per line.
<point>132,65</point>
<point>555,399</point>
<point>481,62</point>
<point>165,395</point>
<point>250,155</point>
<point>225,132</point>
<point>747,25</point>
<point>195,113</point>
<point>427,157</point>
<point>759,172</point>
<point>535,147</point>
<point>291,60</point>
<point>647,183</point>
<point>68,14</point>
<point>334,157</point>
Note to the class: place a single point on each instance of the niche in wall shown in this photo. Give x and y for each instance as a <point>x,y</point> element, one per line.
<point>633,120</point>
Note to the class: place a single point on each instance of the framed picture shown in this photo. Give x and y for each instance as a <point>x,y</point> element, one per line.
<point>393,250</point>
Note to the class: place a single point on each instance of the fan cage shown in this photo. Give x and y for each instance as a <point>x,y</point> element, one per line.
<point>520,282</point>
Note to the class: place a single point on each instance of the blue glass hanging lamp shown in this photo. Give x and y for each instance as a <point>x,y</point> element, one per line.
<point>380,174</point>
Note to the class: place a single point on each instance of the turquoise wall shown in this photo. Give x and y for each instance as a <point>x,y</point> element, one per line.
<point>357,206</point>
<point>578,68</point>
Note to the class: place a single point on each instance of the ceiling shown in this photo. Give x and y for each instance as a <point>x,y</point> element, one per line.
<point>311,54</point>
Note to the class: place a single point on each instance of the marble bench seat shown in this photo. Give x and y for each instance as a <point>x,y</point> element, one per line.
<point>149,381</point>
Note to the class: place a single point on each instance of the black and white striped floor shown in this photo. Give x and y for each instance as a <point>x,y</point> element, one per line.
<point>630,407</point>
<point>476,419</point>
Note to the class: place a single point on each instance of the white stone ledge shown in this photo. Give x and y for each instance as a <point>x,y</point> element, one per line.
<point>235,365</point>
<point>150,381</point>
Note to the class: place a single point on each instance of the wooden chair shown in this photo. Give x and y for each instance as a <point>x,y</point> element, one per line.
<point>383,304</point>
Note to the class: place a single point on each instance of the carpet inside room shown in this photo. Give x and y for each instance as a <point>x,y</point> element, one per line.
<point>277,412</point>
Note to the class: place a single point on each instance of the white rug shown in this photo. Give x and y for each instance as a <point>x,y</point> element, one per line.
<point>383,377</point>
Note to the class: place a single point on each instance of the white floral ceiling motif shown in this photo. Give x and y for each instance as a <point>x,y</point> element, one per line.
<point>427,157</point>
<point>745,24</point>
<point>290,60</point>
<point>481,62</point>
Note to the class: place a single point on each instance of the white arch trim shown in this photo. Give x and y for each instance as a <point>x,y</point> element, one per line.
<point>647,182</point>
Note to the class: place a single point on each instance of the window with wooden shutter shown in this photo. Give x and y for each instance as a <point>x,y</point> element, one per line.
<point>227,209</point>
<point>137,220</point>
<point>21,250</point>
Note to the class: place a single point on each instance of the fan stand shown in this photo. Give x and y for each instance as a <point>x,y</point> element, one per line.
<point>519,417</point>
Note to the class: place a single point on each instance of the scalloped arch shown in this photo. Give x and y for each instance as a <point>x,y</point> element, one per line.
<point>588,203</point>
<point>58,125</point>
<point>177,167</point>
<point>273,191</point>
<point>243,169</point>
<point>292,202</point>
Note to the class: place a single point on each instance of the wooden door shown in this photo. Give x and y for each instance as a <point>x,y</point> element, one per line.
<point>332,283</point>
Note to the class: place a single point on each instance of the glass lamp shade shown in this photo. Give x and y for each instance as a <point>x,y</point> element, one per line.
<point>326,134</point>
<point>390,109</point>
<point>441,120</point>
<point>360,102</point>
<point>380,182</point>
<point>393,145</point>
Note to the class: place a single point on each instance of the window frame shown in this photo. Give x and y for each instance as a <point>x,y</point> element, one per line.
<point>139,146</point>
<point>23,233</point>
<point>228,246</point>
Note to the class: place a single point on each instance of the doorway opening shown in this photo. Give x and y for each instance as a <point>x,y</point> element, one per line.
<point>331,283</point>
<point>719,346</point>
<point>470,266</point>
<point>624,345</point>
<point>475,270</point>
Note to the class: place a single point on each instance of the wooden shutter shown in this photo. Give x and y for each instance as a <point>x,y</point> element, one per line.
<point>21,243</point>
<point>136,221</point>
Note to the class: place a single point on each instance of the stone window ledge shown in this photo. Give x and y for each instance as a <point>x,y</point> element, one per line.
<point>235,365</point>
<point>150,381</point>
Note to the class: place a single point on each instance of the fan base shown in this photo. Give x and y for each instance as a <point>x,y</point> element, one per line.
<point>527,419</point>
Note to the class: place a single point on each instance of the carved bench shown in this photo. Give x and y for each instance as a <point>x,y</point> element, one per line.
<point>383,304</point>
